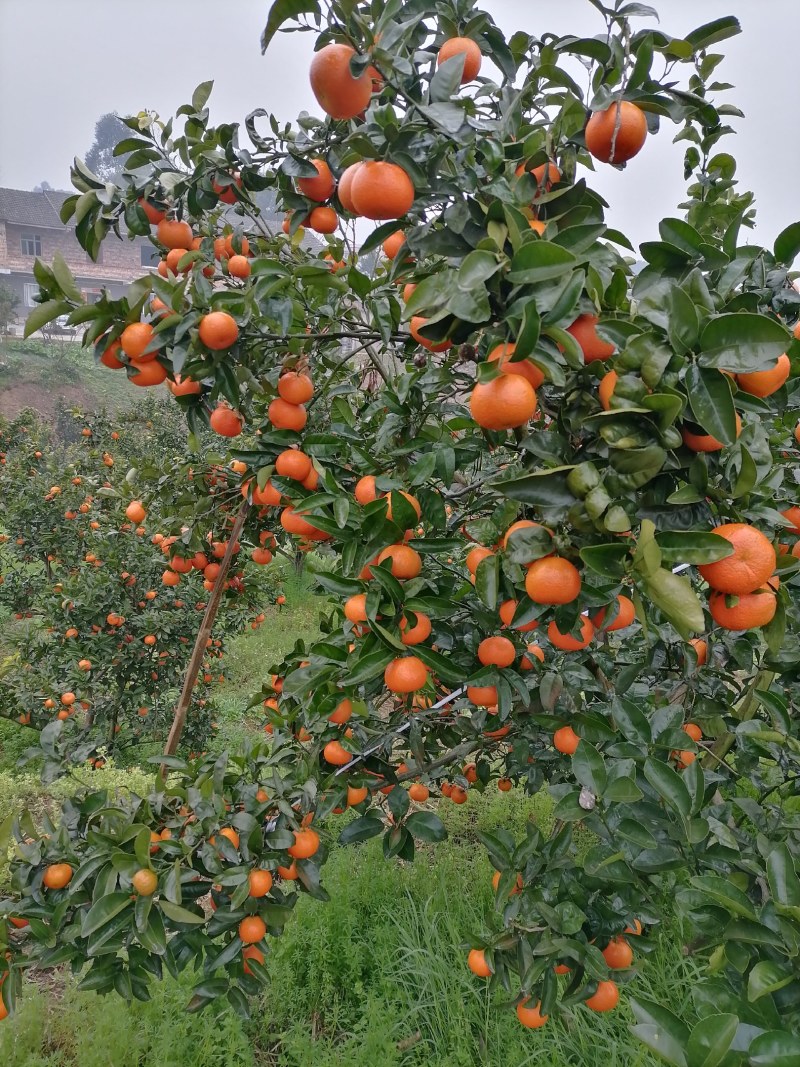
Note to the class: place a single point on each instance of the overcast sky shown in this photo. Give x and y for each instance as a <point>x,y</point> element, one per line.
<point>65,62</point>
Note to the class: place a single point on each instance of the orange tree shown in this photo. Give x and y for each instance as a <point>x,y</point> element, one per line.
<point>114,609</point>
<point>563,502</point>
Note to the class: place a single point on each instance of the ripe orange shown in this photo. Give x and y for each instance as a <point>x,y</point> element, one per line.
<point>57,876</point>
<point>531,1018</point>
<point>393,244</point>
<point>484,696</point>
<point>306,842</point>
<point>546,175</point>
<point>616,134</point>
<point>173,259</point>
<point>765,382</point>
<point>135,339</point>
<point>415,326</point>
<point>526,664</point>
<point>184,386</point>
<point>295,388</point>
<point>497,652</point>
<point>252,929</point>
<point>292,463</point>
<point>225,422</point>
<point>524,367</point>
<point>618,954</point>
<point>507,611</point>
<point>381,190</point>
<point>693,730</point>
<point>747,569</point>
<point>466,47</point>
<point>626,613</point>
<point>68,699</point>
<point>170,578</point>
<point>568,643</point>
<point>135,512</point>
<point>605,998</point>
<point>250,952</point>
<point>412,500</point>
<point>458,795</point>
<point>751,611</point>
<point>230,834</point>
<point>606,389</point>
<point>239,267</point>
<point>323,220</point>
<point>792,515</point>
<point>154,214</point>
<point>354,608</point>
<point>504,785</point>
<point>406,561</point>
<point>405,674</point>
<point>565,740</point>
<point>338,93</point>
<point>504,403</point>
<point>321,186</point>
<point>109,357</point>
<point>706,442</point>
<point>416,634</point>
<point>145,882</point>
<point>286,416</point>
<point>584,330</point>
<point>174,234</point>
<point>218,330</point>
<point>476,961</point>
<point>522,524</point>
<point>552,580</point>
<point>334,752</point>
<point>475,556</point>
<point>288,873</point>
<point>365,491</point>
<point>344,191</point>
<point>296,524</point>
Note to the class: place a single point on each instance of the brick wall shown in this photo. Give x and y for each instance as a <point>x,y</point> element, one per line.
<point>120,260</point>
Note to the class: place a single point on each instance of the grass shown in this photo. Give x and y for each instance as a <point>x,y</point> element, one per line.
<point>375,976</point>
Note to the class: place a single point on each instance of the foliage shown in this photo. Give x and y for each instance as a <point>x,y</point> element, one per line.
<point>9,302</point>
<point>108,131</point>
<point>677,757</point>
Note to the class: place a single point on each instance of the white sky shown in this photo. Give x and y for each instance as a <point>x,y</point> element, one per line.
<point>65,62</point>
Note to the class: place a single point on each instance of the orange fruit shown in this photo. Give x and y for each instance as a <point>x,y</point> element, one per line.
<point>334,752</point>
<point>250,952</point>
<point>765,382</point>
<point>531,1018</point>
<point>292,463</point>
<point>406,561</point>
<point>701,649</point>
<point>525,663</point>
<point>507,611</point>
<point>524,367</point>
<point>546,175</point>
<point>285,416</point>
<point>344,190</point>
<point>616,134</point>
<point>747,569</point>
<point>406,674</point>
<point>68,699</point>
<point>356,795</point>
<point>504,785</point>
<point>466,47</point>
<point>504,403</point>
<point>252,929</point>
<point>230,834</point>
<point>706,442</point>
<point>154,214</point>
<point>145,882</point>
<point>135,339</point>
<point>496,652</point>
<point>522,524</point>
<point>693,730</point>
<point>552,580</point>
<point>484,696</point>
<point>218,330</point>
<point>239,267</point>
<point>381,190</point>
<point>109,357</point>
<point>568,643</point>
<point>295,388</point>
<point>583,329</point>
<point>184,386</point>
<point>57,876</point>
<point>354,608</point>
<point>751,610</point>
<point>338,93</point>
<point>416,634</point>
<point>792,515</point>
<point>618,954</point>
<point>321,186</point>
<point>393,244</point>
<point>475,556</point>
<point>365,491</point>
<point>412,500</point>
<point>306,842</point>
<point>476,961</point>
<point>174,234</point>
<point>605,998</point>
<point>416,324</point>
<point>626,613</point>
<point>296,524</point>
<point>323,220</point>
<point>565,740</point>
<point>225,422</point>
<point>537,225</point>
<point>135,512</point>
<point>606,389</point>
<point>288,873</point>
<point>419,792</point>
<point>170,578</point>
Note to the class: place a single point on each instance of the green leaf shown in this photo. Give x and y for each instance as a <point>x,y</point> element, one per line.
<point>487,580</point>
<point>283,10</point>
<point>630,718</point>
<point>669,785</point>
<point>694,547</point>
<point>710,1040</point>
<point>782,877</point>
<point>674,596</point>
<point>103,911</point>
<point>742,342</point>
<point>713,32</point>
<point>64,278</point>
<point>660,1030</point>
<point>546,489</point>
<point>724,893</point>
<point>787,244</point>
<point>538,261</point>
<point>201,94</point>
<point>447,79</point>
<point>361,829</point>
<point>177,914</point>
<point>767,977</point>
<point>426,826</point>
<point>44,313</point>
<point>589,768</point>
<point>776,1048</point>
<point>711,401</point>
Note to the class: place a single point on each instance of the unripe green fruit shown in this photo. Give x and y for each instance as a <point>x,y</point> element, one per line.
<point>583,479</point>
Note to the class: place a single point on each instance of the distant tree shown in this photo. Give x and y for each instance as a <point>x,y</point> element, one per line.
<point>43,187</point>
<point>9,302</point>
<point>108,130</point>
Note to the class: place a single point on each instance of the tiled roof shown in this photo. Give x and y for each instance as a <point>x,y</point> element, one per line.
<point>26,208</point>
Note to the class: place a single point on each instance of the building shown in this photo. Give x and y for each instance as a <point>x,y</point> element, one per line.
<point>30,228</point>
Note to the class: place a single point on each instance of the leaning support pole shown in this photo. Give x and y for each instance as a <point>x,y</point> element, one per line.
<point>203,634</point>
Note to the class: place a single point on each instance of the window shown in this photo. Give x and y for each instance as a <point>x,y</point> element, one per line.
<point>30,293</point>
<point>92,296</point>
<point>149,256</point>
<point>31,244</point>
